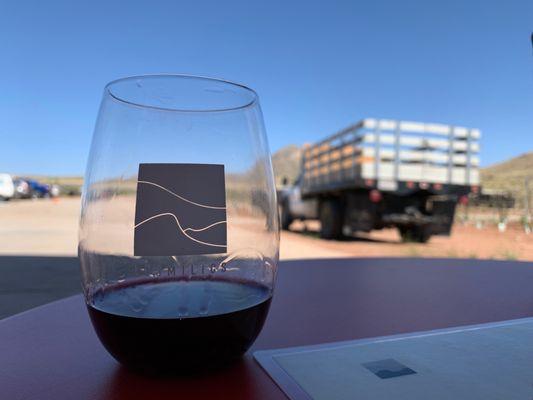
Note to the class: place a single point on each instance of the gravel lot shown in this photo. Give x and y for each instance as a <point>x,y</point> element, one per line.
<point>49,227</point>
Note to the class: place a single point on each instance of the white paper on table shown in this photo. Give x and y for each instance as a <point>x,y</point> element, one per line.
<point>491,361</point>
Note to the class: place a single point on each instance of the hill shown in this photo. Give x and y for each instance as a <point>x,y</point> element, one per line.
<point>510,176</point>
<point>286,163</point>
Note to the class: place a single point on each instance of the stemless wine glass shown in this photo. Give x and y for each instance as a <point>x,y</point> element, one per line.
<point>179,232</point>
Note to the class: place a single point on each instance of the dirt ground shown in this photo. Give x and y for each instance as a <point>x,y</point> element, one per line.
<point>49,227</point>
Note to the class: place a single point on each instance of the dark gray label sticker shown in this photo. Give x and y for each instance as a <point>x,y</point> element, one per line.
<point>180,210</point>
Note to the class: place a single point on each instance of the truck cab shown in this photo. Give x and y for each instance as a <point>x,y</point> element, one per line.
<point>293,207</point>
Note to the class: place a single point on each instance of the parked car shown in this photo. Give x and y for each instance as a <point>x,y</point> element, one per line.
<point>22,189</point>
<point>30,188</point>
<point>38,189</point>
<point>55,190</point>
<point>7,189</point>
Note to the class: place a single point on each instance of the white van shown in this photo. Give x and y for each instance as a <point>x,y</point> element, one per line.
<point>7,189</point>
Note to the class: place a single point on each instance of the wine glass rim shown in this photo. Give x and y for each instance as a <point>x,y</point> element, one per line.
<point>121,99</point>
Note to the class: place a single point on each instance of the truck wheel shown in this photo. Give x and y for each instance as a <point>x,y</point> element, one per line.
<point>331,219</point>
<point>418,234</point>
<point>285,216</point>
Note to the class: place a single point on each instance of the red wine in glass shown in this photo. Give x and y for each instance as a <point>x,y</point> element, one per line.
<point>183,326</point>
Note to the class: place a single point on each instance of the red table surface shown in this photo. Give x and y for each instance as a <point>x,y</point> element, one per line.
<point>51,352</point>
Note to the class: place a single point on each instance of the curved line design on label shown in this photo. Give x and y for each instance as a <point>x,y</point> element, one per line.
<point>183,230</point>
<point>203,229</point>
<point>180,197</point>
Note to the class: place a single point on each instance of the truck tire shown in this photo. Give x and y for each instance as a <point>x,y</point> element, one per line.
<point>285,216</point>
<point>331,219</point>
<point>417,234</point>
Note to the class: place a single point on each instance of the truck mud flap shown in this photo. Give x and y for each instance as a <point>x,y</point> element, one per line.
<point>442,209</point>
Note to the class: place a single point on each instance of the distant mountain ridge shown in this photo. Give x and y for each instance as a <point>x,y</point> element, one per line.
<point>510,176</point>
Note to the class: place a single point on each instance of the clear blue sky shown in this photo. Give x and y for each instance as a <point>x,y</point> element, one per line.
<point>317,66</point>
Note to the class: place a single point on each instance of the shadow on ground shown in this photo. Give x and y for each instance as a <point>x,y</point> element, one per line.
<point>27,281</point>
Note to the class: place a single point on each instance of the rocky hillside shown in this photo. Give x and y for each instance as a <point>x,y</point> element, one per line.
<point>286,163</point>
<point>510,176</point>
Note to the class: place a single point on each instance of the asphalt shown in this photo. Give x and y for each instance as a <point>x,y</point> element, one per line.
<point>30,281</point>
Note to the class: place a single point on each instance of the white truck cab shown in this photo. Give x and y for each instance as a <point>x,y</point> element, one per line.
<point>294,207</point>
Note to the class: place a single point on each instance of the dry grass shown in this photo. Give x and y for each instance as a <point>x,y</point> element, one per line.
<point>59,180</point>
